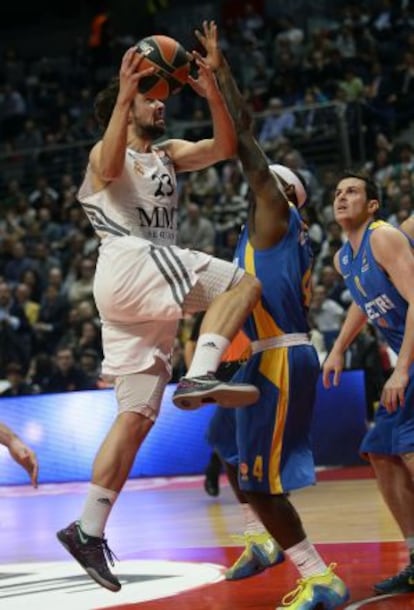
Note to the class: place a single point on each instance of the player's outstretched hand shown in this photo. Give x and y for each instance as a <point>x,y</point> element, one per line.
<point>23,455</point>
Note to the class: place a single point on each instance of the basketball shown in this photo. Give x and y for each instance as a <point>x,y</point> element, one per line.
<point>170,61</point>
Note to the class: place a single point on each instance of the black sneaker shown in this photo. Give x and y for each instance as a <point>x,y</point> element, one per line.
<point>193,392</point>
<point>212,475</point>
<point>92,554</point>
<point>403,582</point>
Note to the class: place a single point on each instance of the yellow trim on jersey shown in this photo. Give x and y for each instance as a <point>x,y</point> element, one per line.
<point>307,287</point>
<point>378,223</point>
<point>265,325</point>
<point>358,285</point>
<point>274,366</point>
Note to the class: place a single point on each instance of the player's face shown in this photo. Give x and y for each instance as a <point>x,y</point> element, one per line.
<point>351,206</point>
<point>288,189</point>
<point>149,117</point>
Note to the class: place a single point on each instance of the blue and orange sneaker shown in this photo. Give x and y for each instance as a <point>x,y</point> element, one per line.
<point>261,552</point>
<point>324,590</point>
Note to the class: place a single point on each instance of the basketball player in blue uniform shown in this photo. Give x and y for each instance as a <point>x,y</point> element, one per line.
<point>377,264</point>
<point>266,446</point>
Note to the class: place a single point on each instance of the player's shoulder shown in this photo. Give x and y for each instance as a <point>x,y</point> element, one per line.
<point>384,232</point>
<point>170,146</point>
<point>170,149</point>
<point>95,150</point>
<point>388,242</point>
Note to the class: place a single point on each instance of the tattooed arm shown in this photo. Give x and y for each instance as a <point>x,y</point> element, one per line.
<point>271,209</point>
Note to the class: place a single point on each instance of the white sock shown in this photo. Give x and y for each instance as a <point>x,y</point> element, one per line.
<point>306,558</point>
<point>98,505</point>
<point>252,524</point>
<point>207,356</point>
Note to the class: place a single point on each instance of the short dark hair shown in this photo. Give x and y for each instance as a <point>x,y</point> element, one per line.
<point>371,187</point>
<point>105,102</point>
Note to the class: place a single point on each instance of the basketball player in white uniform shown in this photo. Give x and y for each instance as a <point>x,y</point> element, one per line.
<point>144,284</point>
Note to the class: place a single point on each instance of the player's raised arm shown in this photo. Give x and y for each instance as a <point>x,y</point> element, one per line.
<point>268,190</point>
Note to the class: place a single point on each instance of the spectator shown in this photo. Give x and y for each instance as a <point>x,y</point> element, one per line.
<point>334,284</point>
<point>195,231</point>
<point>13,111</point>
<point>68,376</point>
<point>18,263</point>
<point>326,314</point>
<point>15,331</point>
<point>41,369</point>
<point>277,123</point>
<point>52,319</point>
<point>90,363</point>
<point>82,287</point>
<point>204,182</point>
<point>90,338</point>
<point>17,384</point>
<point>31,308</point>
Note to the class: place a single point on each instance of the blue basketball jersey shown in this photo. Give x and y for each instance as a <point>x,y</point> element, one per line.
<point>270,440</point>
<point>373,291</point>
<point>285,273</point>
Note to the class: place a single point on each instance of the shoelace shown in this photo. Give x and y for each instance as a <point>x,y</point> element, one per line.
<point>102,545</point>
<point>110,555</point>
<point>302,582</point>
<point>244,539</point>
<point>189,382</point>
<point>250,537</point>
<point>241,538</point>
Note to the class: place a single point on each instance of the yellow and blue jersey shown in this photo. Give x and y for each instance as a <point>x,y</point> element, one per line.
<point>372,289</point>
<point>270,440</point>
<point>285,273</point>
<point>374,292</point>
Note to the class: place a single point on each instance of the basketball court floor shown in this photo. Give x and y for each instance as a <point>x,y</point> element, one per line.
<point>173,543</point>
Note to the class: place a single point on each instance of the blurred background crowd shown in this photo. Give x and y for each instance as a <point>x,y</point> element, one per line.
<point>331,86</point>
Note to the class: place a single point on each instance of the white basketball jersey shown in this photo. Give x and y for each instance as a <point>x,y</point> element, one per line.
<point>142,202</point>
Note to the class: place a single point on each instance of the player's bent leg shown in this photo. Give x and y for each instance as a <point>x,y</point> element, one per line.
<point>227,295</point>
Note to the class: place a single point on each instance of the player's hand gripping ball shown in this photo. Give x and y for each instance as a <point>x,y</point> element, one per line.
<point>171,63</point>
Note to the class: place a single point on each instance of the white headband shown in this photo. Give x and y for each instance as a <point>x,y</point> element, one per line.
<point>291,178</point>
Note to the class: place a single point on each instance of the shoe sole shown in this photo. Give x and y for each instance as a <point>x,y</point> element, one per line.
<point>211,489</point>
<point>240,576</point>
<point>228,398</point>
<point>258,568</point>
<point>90,571</point>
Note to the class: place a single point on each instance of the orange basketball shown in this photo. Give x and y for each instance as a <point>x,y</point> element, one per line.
<point>172,66</point>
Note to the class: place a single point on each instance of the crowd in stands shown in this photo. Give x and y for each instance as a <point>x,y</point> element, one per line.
<point>363,59</point>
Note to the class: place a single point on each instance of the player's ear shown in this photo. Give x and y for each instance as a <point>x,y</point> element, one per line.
<point>373,205</point>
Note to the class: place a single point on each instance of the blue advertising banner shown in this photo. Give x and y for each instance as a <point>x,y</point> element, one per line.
<point>66,430</point>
